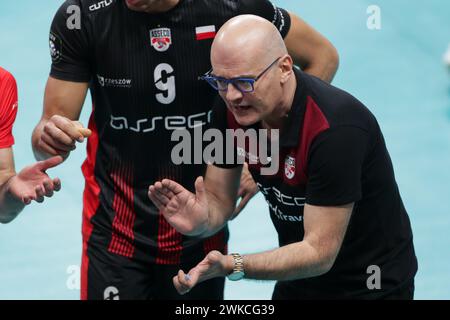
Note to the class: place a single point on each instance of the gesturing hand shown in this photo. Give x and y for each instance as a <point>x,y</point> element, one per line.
<point>185,211</point>
<point>33,183</point>
<point>213,266</point>
<point>60,134</point>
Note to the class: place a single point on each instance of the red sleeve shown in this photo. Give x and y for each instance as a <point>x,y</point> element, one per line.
<point>8,108</point>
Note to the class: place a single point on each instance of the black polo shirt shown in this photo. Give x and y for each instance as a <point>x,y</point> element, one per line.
<point>332,152</point>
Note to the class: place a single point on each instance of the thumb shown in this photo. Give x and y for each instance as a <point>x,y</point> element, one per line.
<point>85,132</point>
<point>200,191</point>
<point>49,163</point>
<point>82,130</point>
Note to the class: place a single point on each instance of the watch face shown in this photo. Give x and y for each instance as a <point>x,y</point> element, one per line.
<point>235,276</point>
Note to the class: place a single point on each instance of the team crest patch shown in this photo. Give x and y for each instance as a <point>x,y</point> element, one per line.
<point>160,39</point>
<point>289,167</point>
<point>55,45</point>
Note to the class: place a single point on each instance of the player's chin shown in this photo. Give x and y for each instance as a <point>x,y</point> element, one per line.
<point>246,119</point>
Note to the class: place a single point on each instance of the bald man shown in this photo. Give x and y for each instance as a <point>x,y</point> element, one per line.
<point>343,230</point>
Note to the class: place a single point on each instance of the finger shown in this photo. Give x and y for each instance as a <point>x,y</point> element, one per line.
<point>193,277</point>
<point>56,184</point>
<point>39,190</point>
<point>184,284</point>
<point>69,127</point>
<point>48,188</point>
<point>59,132</point>
<point>26,200</point>
<point>48,148</point>
<point>86,133</point>
<point>157,192</point>
<point>172,186</point>
<point>152,196</point>
<point>161,197</point>
<point>56,144</point>
<point>200,191</point>
<point>158,186</point>
<point>182,279</point>
<point>177,285</point>
<point>181,289</point>
<point>168,193</point>
<point>163,191</point>
<point>49,163</point>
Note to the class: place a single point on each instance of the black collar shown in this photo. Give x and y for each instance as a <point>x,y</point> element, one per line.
<point>291,128</point>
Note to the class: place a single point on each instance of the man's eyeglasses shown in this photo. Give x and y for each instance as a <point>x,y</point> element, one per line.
<point>243,84</point>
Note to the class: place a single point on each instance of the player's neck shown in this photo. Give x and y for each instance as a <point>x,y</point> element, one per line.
<point>163,6</point>
<point>157,6</point>
<point>278,117</point>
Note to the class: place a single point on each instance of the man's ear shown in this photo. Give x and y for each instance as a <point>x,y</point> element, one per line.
<point>286,64</point>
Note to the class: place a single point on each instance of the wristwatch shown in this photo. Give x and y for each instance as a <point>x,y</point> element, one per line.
<point>238,269</point>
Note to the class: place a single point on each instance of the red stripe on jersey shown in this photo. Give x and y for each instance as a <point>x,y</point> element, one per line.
<point>122,241</point>
<point>8,107</point>
<point>206,35</point>
<point>314,123</point>
<point>169,243</point>
<point>216,242</point>
<point>90,200</point>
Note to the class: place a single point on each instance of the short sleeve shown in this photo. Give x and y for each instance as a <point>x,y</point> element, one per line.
<point>8,108</point>
<point>335,166</point>
<point>266,9</point>
<point>70,44</point>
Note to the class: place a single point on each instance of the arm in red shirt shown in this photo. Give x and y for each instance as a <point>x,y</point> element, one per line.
<point>32,183</point>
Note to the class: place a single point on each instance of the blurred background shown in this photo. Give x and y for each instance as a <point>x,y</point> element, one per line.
<point>396,70</point>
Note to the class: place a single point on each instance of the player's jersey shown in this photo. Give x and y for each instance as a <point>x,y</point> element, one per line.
<point>143,71</point>
<point>8,108</point>
<point>332,152</point>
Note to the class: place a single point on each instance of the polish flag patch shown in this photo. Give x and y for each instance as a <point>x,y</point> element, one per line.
<point>205,32</point>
